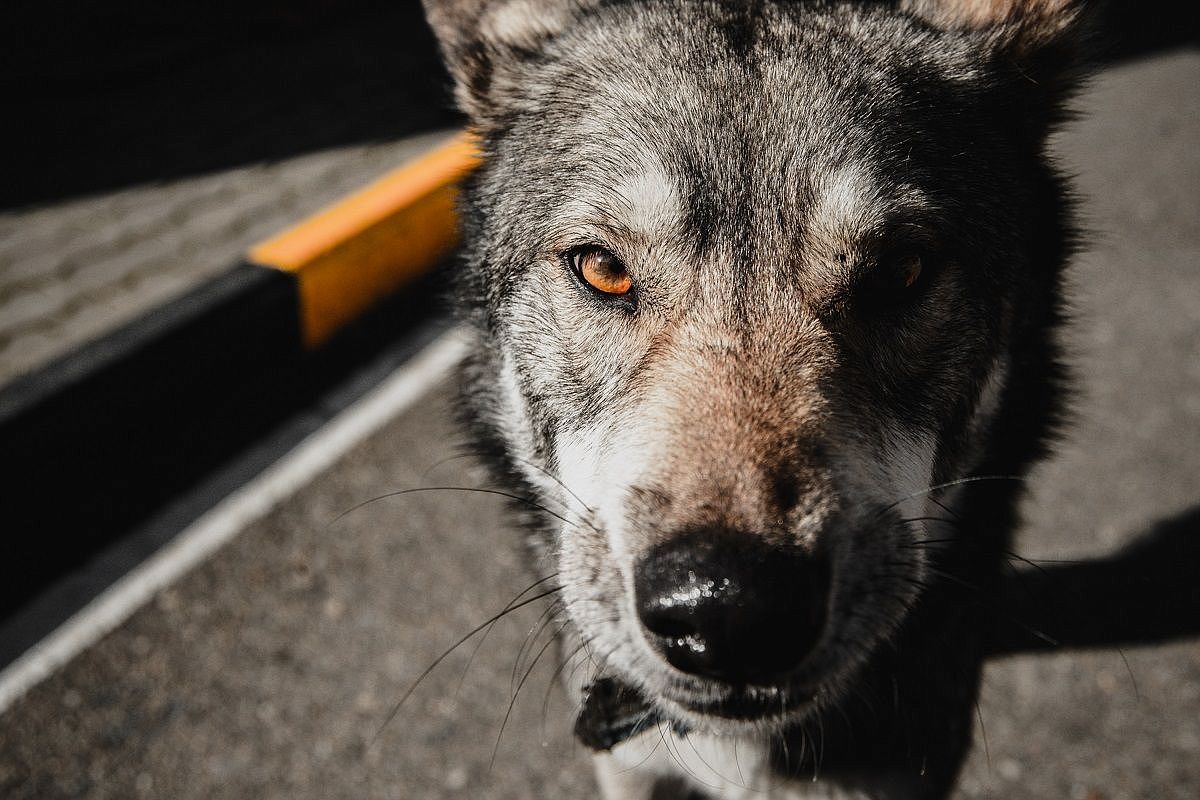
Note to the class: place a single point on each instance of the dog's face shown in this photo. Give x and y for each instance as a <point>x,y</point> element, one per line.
<point>747,278</point>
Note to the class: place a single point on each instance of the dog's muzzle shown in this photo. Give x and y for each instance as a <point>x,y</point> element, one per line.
<point>732,607</point>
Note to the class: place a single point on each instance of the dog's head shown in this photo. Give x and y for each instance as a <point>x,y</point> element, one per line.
<point>749,279</point>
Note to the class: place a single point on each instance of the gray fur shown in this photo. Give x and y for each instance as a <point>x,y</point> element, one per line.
<point>759,166</point>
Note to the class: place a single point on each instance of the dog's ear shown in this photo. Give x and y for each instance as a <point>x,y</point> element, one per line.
<point>1043,45</point>
<point>484,43</point>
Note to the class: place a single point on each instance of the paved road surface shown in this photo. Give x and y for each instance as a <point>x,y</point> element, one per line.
<point>266,672</point>
<point>74,270</point>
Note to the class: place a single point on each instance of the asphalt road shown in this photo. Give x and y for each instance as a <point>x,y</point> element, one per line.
<point>267,671</point>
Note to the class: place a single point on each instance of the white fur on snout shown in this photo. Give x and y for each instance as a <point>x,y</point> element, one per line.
<point>990,399</point>
<point>600,464</point>
<point>910,469</point>
<point>711,763</point>
<point>904,468</point>
<point>596,562</point>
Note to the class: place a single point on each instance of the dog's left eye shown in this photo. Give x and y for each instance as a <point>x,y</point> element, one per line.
<point>895,278</point>
<point>906,269</point>
<point>601,270</point>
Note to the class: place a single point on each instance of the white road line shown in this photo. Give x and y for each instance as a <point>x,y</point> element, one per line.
<point>231,516</point>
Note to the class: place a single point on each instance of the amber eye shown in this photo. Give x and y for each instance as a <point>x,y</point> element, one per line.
<point>601,270</point>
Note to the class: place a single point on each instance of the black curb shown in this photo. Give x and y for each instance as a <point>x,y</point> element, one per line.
<point>97,443</point>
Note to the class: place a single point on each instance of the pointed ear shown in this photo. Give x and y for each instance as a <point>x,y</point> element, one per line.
<point>1045,45</point>
<point>484,43</point>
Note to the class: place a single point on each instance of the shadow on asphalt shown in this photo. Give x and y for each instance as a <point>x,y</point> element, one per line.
<point>1145,593</point>
<point>120,489</point>
<point>108,95</point>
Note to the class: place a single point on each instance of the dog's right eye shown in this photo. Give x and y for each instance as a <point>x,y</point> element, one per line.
<point>601,270</point>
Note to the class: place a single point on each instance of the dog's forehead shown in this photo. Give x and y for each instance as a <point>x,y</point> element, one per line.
<point>661,125</point>
<point>740,68</point>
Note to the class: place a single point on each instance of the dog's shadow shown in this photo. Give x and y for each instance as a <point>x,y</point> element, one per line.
<point>1148,592</point>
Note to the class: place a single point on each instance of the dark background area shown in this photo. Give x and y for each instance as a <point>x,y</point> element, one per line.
<point>104,95</point>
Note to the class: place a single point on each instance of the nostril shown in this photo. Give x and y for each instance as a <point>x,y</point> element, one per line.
<point>667,626</point>
<point>731,607</point>
<point>680,634</point>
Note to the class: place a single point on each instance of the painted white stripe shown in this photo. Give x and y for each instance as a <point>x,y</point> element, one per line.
<point>231,516</point>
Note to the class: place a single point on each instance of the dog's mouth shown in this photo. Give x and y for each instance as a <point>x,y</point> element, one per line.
<point>613,711</point>
<point>719,705</point>
<point>750,704</point>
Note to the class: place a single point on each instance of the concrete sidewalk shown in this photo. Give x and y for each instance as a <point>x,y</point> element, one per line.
<point>75,270</point>
<point>267,671</point>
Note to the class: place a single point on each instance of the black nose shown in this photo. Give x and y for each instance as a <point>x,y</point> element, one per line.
<point>730,606</point>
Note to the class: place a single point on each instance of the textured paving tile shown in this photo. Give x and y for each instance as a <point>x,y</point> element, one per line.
<point>75,270</point>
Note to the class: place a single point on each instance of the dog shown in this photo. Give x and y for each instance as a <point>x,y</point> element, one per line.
<point>763,299</point>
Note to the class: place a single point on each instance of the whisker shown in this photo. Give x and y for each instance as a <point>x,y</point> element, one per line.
<point>1036,561</point>
<point>513,702</point>
<point>942,520</point>
<point>979,598</point>
<point>787,751</point>
<point>946,508</point>
<point>949,484</point>
<point>546,618</point>
<point>526,462</point>
<point>653,750</point>
<point>413,687</point>
<point>516,497</point>
<point>865,698</point>
<point>987,754</point>
<point>949,576</point>
<point>678,757</point>
<point>928,542</point>
<point>551,683</point>
<point>704,761</point>
<point>819,753</point>
<point>486,633</point>
<point>738,765</point>
<point>1137,695</point>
